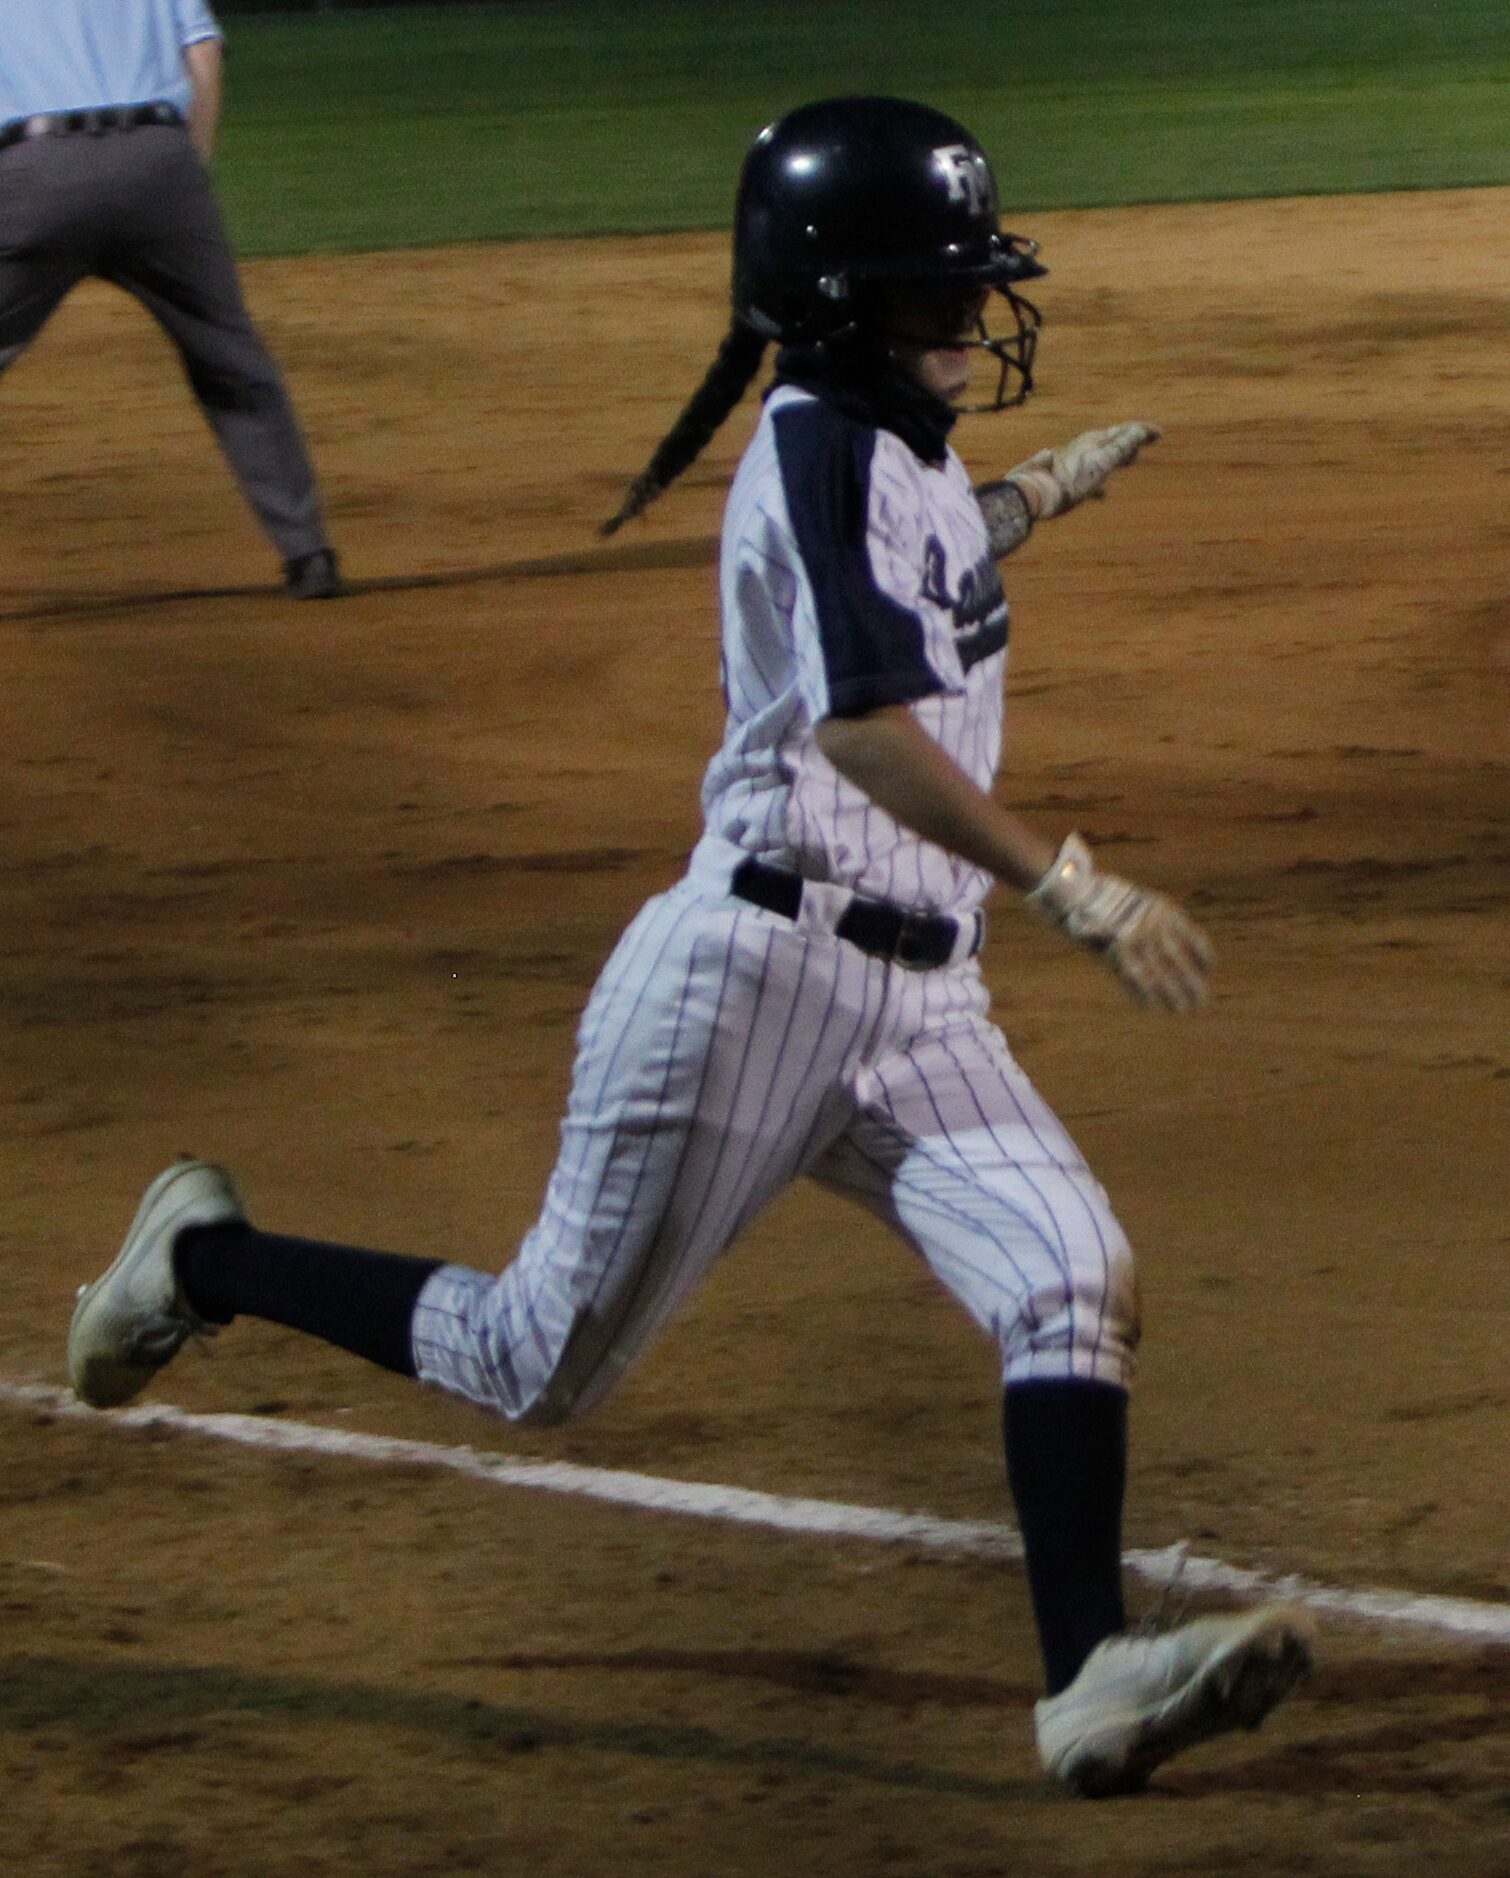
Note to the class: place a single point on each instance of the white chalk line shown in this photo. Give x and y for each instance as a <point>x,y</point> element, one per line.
<point>1172,1565</point>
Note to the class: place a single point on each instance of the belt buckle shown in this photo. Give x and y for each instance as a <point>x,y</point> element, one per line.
<point>907,948</point>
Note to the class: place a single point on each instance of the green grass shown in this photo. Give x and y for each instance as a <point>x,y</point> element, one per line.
<point>381,129</point>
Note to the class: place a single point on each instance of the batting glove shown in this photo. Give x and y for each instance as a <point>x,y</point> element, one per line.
<point>1060,479</point>
<point>1162,957</point>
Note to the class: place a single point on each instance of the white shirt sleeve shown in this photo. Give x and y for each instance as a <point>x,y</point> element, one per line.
<point>195,22</point>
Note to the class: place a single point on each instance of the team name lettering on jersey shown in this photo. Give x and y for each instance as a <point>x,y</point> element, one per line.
<point>979,608</point>
<point>854,577</point>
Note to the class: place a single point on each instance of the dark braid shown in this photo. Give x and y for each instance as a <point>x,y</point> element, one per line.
<point>728,379</point>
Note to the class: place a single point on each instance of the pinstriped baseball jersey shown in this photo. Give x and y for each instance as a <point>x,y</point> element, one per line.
<point>853,576</point>
<point>729,1049</point>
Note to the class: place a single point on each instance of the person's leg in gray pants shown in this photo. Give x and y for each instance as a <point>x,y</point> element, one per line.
<point>136,208</point>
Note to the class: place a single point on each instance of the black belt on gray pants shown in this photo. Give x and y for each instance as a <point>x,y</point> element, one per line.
<point>88,123</point>
<point>921,940</point>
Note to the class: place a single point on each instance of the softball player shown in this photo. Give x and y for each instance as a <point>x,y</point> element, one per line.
<point>108,114</point>
<point>807,999</point>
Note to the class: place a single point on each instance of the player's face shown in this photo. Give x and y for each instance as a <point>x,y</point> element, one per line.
<point>924,327</point>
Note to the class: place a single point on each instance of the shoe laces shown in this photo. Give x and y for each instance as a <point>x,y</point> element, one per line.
<point>159,1337</point>
<point>1172,1606</point>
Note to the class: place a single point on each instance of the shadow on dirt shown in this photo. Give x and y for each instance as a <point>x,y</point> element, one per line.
<point>648,557</point>
<point>139,1708</point>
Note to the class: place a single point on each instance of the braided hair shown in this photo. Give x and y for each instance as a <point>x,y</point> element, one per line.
<point>728,378</point>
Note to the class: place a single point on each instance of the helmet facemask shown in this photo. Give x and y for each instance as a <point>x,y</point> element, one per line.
<point>1013,353</point>
<point>940,314</point>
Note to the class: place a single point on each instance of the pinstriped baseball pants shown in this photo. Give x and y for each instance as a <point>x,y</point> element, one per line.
<point>723,1053</point>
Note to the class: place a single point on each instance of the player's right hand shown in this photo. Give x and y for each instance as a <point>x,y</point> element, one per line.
<point>1161,956</point>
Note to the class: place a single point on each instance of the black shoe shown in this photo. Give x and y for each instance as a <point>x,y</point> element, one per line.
<point>313,576</point>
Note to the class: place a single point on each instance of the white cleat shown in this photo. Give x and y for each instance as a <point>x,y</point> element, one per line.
<point>134,1319</point>
<point>1140,1699</point>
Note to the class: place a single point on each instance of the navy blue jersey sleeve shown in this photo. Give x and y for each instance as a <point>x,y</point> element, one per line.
<point>873,648</point>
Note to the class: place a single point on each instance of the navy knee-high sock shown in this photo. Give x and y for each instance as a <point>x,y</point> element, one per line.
<point>1066,1448</point>
<point>362,1301</point>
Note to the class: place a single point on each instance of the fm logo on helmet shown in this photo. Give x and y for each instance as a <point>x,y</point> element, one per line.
<point>967,174</point>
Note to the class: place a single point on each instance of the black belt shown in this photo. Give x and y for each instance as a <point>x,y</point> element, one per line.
<point>88,123</point>
<point>921,940</point>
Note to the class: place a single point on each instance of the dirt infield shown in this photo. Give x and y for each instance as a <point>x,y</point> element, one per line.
<point>320,890</point>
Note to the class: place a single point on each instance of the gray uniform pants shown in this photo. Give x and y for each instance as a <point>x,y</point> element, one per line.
<point>135,207</point>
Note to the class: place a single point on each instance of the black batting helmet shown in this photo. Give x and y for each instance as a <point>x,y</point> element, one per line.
<point>837,199</point>
<point>850,192</point>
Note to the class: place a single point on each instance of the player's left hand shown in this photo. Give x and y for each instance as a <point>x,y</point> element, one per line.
<point>1055,481</point>
<point>1161,956</point>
